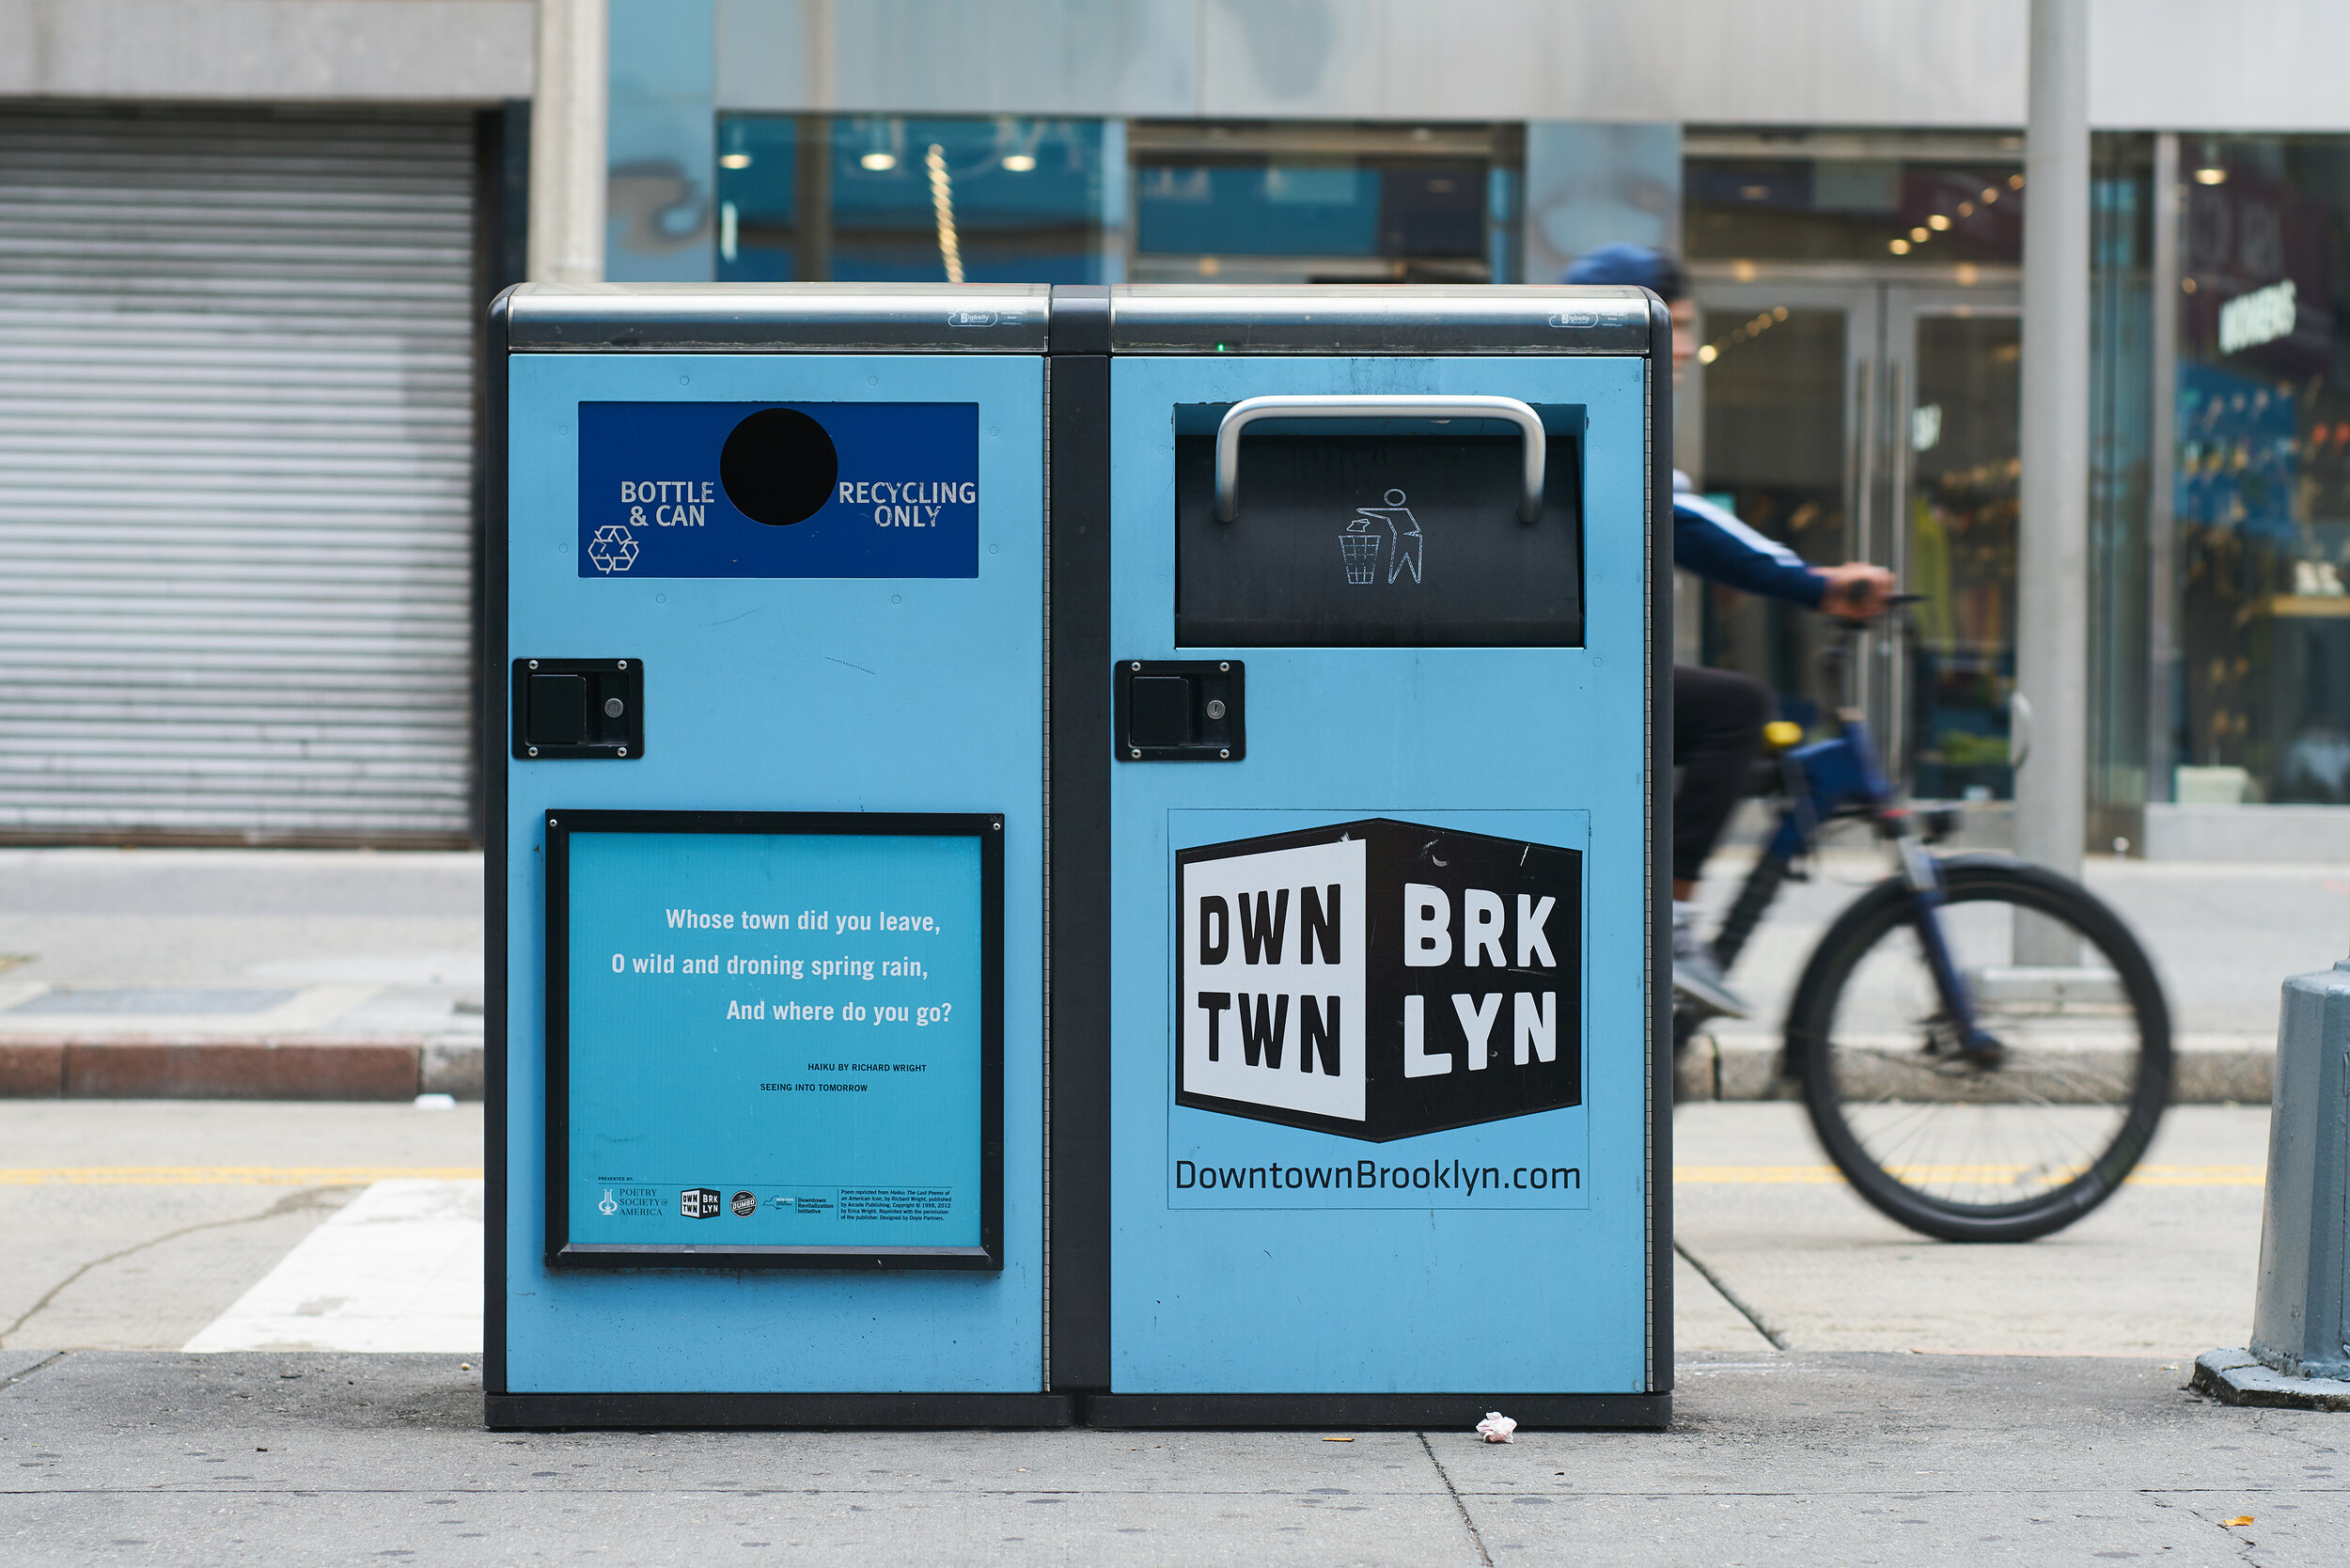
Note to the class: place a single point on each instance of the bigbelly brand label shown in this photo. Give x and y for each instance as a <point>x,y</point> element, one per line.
<point>778,490</point>
<point>1379,980</point>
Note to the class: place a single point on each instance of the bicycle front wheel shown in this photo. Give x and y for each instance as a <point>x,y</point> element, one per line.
<point>2035,1121</point>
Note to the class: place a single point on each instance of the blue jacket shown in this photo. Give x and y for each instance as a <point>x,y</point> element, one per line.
<point>1713,543</point>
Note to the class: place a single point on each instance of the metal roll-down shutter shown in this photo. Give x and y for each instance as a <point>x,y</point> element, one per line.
<point>236,457</point>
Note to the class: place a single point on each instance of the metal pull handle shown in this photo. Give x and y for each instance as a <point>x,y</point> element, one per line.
<point>1377,406</point>
<point>2018,729</point>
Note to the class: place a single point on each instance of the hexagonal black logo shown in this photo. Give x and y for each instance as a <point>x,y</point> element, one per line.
<point>1379,978</point>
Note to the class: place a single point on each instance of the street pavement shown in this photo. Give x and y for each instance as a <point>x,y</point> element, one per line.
<point>1847,1391</point>
<point>1774,1458</point>
<point>136,1224</point>
<point>382,952</point>
<point>155,1225</point>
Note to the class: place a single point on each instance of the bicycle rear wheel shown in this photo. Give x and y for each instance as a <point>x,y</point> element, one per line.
<point>1993,1145</point>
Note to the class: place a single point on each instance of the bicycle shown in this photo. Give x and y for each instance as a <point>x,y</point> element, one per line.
<point>1966,1089</point>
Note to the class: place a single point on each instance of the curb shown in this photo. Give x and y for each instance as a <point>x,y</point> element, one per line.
<point>2215,1072</point>
<point>296,1067</point>
<point>2235,1376</point>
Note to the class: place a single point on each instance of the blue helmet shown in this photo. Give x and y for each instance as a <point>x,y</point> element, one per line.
<point>1637,265</point>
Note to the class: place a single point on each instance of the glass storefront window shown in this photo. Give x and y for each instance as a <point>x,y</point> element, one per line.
<point>1262,208</point>
<point>1775,390</point>
<point>2120,472</point>
<point>1303,202</point>
<point>887,198</point>
<point>1959,556</point>
<point>2261,489</point>
<point>1883,210</point>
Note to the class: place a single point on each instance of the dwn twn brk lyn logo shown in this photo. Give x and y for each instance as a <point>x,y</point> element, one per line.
<point>1379,980</point>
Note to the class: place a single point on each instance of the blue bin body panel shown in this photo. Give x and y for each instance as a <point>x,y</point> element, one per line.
<point>1378,1288</point>
<point>843,693</point>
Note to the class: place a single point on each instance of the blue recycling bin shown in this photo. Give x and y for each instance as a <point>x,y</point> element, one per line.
<point>1360,841</point>
<point>764,720</point>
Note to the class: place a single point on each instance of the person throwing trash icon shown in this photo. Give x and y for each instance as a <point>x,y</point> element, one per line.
<point>1360,545</point>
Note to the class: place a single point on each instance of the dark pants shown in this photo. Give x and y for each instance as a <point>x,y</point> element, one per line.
<point>1717,732</point>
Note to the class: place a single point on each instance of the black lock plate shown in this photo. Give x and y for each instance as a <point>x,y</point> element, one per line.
<point>1181,711</point>
<point>573,709</point>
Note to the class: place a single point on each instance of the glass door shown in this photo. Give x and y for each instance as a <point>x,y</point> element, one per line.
<point>1779,416</point>
<point>1951,466</point>
<point>1874,420</point>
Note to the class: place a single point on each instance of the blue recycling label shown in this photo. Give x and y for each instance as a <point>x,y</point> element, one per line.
<point>778,490</point>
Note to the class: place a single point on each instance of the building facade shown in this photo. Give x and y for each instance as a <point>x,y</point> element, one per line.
<point>246,479</point>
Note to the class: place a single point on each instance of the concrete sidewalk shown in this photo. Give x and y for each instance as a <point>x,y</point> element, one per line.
<point>2223,938</point>
<point>163,1224</point>
<point>240,973</point>
<point>1847,1393</point>
<point>1772,1459</point>
<point>350,974</point>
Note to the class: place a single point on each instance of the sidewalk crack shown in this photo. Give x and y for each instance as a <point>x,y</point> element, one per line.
<point>43,1365</point>
<point>1778,1341</point>
<point>2244,1547</point>
<point>288,1204</point>
<point>1468,1524</point>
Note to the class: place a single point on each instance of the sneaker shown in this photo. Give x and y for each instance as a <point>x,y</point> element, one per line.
<point>1695,975</point>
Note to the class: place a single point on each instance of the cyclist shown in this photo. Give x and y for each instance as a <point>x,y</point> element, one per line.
<point>1718,714</point>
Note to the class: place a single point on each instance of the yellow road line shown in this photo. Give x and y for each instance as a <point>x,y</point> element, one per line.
<point>2199,1176</point>
<point>229,1175</point>
<point>1754,1175</point>
<point>1825,1175</point>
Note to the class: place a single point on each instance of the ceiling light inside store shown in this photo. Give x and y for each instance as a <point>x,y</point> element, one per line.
<point>1019,162</point>
<point>1921,235</point>
<point>1966,209</point>
<point>1754,192</point>
<point>1899,247</point>
<point>735,161</point>
<point>1938,222</point>
<point>2015,181</point>
<point>2211,177</point>
<point>880,162</point>
<point>1709,354</point>
<point>1990,195</point>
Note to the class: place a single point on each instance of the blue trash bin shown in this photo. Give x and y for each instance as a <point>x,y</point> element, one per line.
<point>1361,835</point>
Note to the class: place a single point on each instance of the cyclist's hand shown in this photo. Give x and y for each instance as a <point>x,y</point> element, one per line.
<point>1856,588</point>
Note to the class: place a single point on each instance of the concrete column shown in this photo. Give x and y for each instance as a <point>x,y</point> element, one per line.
<point>2052,556</point>
<point>567,142</point>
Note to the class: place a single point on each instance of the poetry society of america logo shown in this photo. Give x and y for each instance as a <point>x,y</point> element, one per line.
<point>1379,980</point>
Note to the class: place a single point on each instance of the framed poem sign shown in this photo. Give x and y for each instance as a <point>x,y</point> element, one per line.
<point>775,1040</point>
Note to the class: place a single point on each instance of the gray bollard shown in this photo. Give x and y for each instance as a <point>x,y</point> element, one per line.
<point>2300,1350</point>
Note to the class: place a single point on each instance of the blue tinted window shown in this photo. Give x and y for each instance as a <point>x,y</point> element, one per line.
<point>1257,210</point>
<point>758,170</point>
<point>1001,200</point>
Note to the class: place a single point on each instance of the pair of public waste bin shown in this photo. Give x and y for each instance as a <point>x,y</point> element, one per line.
<point>1077,854</point>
